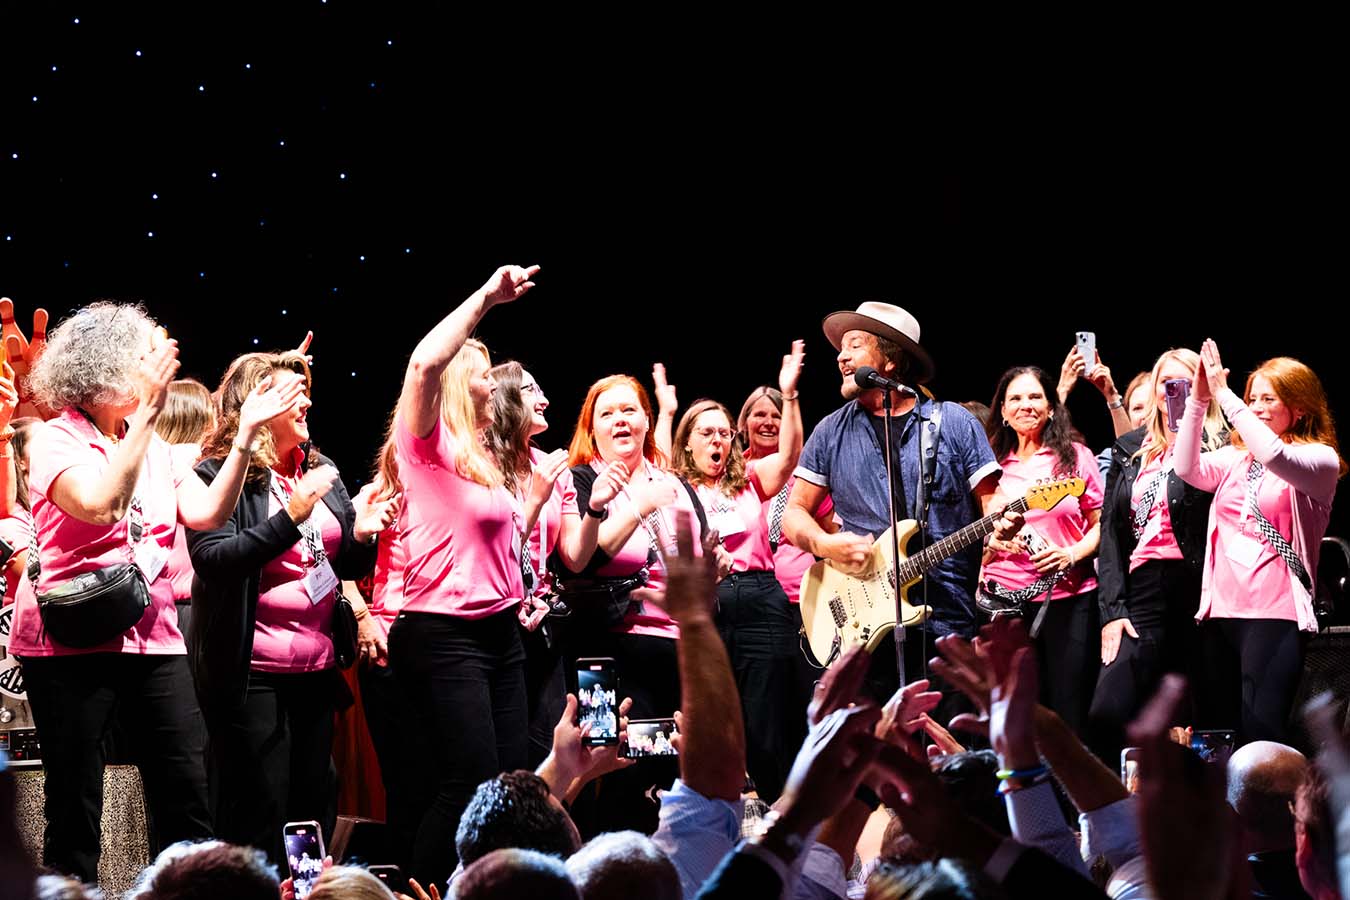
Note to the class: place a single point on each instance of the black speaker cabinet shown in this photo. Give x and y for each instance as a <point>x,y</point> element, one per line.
<point>1326,667</point>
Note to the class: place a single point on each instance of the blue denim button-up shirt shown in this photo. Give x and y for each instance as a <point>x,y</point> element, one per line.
<point>843,455</point>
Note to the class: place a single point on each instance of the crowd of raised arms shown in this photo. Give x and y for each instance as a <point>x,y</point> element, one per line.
<point>672,660</point>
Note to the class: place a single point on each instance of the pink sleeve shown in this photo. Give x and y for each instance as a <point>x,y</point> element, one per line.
<point>752,473</point>
<point>182,457</point>
<point>55,451</point>
<point>1193,467</point>
<point>567,490</point>
<point>435,448</point>
<point>1312,469</point>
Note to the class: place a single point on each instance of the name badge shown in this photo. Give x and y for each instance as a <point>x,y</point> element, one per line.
<point>320,582</point>
<point>150,559</point>
<point>1243,550</point>
<point>727,522</point>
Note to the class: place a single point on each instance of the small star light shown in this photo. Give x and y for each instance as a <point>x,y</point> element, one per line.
<point>407,249</point>
<point>53,68</point>
<point>255,340</point>
<point>341,175</point>
<point>154,196</point>
<point>213,174</point>
<point>389,43</point>
<point>14,156</point>
<point>9,237</point>
<point>283,312</point>
<point>35,98</point>
<point>149,234</point>
<point>353,374</point>
<point>262,222</point>
<point>77,20</point>
<point>138,53</point>
<point>282,143</point>
<point>361,258</point>
<point>201,274</point>
<point>335,290</point>
<point>200,88</point>
<point>248,65</point>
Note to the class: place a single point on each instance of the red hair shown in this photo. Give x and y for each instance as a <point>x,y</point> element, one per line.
<point>1300,390</point>
<point>582,448</point>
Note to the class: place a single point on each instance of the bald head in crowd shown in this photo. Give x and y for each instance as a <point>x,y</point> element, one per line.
<point>623,865</point>
<point>514,873</point>
<point>1263,778</point>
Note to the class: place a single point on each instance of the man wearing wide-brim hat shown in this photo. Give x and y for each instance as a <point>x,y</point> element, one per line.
<point>844,458</point>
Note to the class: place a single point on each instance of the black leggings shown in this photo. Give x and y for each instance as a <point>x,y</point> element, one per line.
<point>759,627</point>
<point>466,679</point>
<point>75,700</point>
<point>1161,597</point>
<point>1252,670</point>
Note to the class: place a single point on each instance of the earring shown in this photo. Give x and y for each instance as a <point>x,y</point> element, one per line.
<point>1005,423</point>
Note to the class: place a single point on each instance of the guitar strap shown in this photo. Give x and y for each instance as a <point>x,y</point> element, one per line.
<point>928,446</point>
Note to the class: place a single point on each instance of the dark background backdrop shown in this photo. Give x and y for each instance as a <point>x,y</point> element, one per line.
<point>697,195</point>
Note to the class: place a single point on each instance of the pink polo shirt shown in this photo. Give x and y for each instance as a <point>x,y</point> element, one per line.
<point>1062,526</point>
<point>1157,542</point>
<point>548,528</point>
<point>386,592</point>
<point>291,633</point>
<point>740,523</point>
<point>462,538</point>
<point>179,568</point>
<point>1257,588</point>
<point>17,530</point>
<point>632,556</point>
<point>70,547</point>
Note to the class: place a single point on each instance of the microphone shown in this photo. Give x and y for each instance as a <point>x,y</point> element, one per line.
<point>868,377</point>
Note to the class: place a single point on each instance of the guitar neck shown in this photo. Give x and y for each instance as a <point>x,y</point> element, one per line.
<point>930,556</point>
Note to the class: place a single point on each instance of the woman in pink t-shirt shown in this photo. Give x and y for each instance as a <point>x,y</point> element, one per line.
<point>1151,555</point>
<point>614,445</point>
<point>105,490</point>
<point>189,415</point>
<point>519,408</point>
<point>1033,440</point>
<point>1273,489</point>
<point>261,641</point>
<point>455,645</point>
<point>754,616</point>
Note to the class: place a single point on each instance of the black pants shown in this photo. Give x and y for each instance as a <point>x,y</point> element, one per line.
<point>271,759</point>
<point>75,700</point>
<point>1069,650</point>
<point>1161,597</point>
<point>1252,669</point>
<point>759,628</point>
<point>466,680</point>
<point>403,757</point>
<point>545,688</point>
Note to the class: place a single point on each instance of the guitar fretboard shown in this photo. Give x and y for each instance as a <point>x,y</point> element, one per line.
<point>914,567</point>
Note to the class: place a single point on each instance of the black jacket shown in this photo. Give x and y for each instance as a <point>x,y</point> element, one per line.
<point>227,565</point>
<point>1188,507</point>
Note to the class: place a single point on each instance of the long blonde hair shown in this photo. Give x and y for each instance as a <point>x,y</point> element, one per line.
<point>1298,388</point>
<point>1155,417</point>
<point>472,460</point>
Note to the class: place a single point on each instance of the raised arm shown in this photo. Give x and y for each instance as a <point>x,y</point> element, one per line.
<point>667,403</point>
<point>775,469</point>
<point>419,402</point>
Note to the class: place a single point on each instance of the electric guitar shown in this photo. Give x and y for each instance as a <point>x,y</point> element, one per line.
<point>842,611</point>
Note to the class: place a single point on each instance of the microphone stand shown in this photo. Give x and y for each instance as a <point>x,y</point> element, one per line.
<point>894,574</point>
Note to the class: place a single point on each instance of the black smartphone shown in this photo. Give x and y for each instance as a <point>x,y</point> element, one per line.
<point>1175,391</point>
<point>598,700</point>
<point>392,876</point>
<point>1214,746</point>
<point>6,552</point>
<point>304,855</point>
<point>650,737</point>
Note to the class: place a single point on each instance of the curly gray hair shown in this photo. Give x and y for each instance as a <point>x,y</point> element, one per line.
<point>92,356</point>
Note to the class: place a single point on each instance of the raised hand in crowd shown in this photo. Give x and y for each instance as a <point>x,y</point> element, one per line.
<point>303,349</point>
<point>1189,831</point>
<point>571,764</point>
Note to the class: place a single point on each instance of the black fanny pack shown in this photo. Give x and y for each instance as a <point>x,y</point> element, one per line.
<point>606,598</point>
<point>95,607</point>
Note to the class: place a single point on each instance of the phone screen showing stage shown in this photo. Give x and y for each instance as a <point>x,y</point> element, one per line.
<point>598,701</point>
<point>650,737</point>
<point>304,856</point>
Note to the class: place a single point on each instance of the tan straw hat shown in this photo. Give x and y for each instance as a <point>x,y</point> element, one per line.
<point>888,321</point>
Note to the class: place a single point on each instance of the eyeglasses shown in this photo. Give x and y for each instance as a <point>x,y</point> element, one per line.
<point>708,433</point>
<point>530,388</point>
